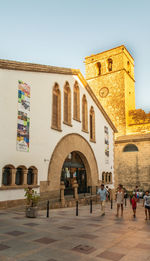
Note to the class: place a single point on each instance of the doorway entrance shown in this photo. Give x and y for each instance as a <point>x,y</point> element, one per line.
<point>74,169</point>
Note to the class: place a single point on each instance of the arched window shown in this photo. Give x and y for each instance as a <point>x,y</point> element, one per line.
<point>106,177</point>
<point>84,114</point>
<point>130,148</point>
<point>56,108</point>
<point>76,98</point>
<point>110,177</point>
<point>30,177</point>
<point>19,180</point>
<point>67,104</point>
<point>92,124</point>
<point>110,62</point>
<point>103,178</point>
<point>7,175</point>
<point>98,68</point>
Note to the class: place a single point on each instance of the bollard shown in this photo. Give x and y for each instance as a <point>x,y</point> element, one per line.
<point>96,192</point>
<point>125,202</point>
<point>77,208</point>
<point>91,190</point>
<point>84,192</point>
<point>90,205</point>
<point>96,189</point>
<point>47,208</point>
<point>111,204</point>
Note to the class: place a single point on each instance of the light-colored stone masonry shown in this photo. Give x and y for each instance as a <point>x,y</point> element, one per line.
<point>115,90</point>
<point>133,168</point>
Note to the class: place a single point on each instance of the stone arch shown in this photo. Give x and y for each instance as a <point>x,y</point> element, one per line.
<point>33,167</point>
<point>69,143</point>
<point>22,167</point>
<point>9,166</point>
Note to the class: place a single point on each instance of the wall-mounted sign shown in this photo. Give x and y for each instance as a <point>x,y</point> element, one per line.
<point>23,122</point>
<point>106,141</point>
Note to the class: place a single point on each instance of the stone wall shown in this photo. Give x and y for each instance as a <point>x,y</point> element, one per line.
<point>133,168</point>
<point>118,96</point>
<point>110,103</point>
<point>139,121</point>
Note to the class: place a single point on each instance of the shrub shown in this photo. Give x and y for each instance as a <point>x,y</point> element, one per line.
<point>32,197</point>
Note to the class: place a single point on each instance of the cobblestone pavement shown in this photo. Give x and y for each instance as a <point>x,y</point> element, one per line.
<point>65,236</point>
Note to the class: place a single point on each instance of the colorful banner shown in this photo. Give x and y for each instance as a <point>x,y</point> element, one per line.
<point>106,137</point>
<point>23,122</point>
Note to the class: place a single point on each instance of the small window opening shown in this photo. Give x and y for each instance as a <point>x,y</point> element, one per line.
<point>110,62</point>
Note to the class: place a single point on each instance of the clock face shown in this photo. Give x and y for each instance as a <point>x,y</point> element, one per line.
<point>103,92</point>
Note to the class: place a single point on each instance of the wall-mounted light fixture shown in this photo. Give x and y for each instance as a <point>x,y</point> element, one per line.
<point>46,160</point>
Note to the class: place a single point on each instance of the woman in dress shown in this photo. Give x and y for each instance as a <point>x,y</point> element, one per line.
<point>120,199</point>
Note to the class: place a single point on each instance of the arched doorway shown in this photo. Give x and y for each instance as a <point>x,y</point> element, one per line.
<point>69,143</point>
<point>74,169</point>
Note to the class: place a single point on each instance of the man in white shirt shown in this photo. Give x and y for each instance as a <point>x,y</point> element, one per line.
<point>102,192</point>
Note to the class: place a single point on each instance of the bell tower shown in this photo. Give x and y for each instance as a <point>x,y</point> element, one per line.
<point>110,75</point>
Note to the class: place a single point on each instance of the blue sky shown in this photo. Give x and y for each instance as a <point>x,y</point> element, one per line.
<point>63,32</point>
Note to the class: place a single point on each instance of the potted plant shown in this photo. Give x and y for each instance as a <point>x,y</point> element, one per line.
<point>32,199</point>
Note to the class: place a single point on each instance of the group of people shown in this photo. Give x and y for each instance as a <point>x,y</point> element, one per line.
<point>119,197</point>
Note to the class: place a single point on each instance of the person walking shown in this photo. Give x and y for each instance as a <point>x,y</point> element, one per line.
<point>133,201</point>
<point>120,199</point>
<point>108,195</point>
<point>102,192</point>
<point>146,203</point>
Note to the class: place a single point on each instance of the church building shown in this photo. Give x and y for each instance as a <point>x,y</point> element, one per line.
<point>53,129</point>
<point>110,75</point>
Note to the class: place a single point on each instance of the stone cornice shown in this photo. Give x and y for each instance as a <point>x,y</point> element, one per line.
<point>133,138</point>
<point>97,59</point>
<point>31,67</point>
<point>123,69</point>
<point>118,47</point>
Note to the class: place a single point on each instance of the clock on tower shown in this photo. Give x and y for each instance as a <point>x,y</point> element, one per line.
<point>103,92</point>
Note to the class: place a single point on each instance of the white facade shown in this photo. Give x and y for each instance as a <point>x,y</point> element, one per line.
<point>43,139</point>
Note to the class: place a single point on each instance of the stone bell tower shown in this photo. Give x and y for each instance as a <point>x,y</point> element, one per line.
<point>110,75</point>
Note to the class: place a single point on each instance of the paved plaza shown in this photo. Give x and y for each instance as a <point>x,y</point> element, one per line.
<point>65,236</point>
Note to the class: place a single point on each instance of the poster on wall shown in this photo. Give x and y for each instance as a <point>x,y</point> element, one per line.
<point>106,140</point>
<point>23,121</point>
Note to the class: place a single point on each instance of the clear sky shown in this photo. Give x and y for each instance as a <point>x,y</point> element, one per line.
<point>63,32</point>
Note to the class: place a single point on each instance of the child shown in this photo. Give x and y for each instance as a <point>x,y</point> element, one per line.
<point>146,203</point>
<point>133,201</point>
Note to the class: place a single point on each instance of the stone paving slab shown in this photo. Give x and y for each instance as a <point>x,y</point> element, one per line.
<point>65,237</point>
